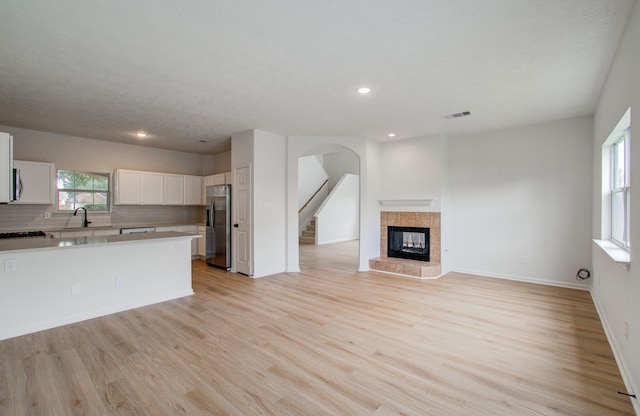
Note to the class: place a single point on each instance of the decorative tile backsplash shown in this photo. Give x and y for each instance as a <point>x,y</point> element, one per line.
<point>32,217</point>
<point>429,220</point>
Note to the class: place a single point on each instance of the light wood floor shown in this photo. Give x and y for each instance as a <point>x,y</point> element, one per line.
<point>327,341</point>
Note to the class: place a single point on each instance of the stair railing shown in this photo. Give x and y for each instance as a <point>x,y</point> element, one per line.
<point>313,196</point>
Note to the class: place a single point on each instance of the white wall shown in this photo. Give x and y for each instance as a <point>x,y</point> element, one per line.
<point>337,164</point>
<point>69,152</point>
<point>311,175</point>
<point>413,169</point>
<point>616,290</point>
<point>520,202</point>
<point>338,217</point>
<point>269,208</point>
<point>213,164</point>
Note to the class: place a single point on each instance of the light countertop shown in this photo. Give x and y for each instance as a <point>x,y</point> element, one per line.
<point>46,243</point>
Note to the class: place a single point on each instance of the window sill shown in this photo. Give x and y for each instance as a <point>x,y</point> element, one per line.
<point>617,253</point>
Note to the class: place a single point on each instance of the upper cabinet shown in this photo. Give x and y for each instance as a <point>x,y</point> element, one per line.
<point>173,189</point>
<point>6,173</point>
<point>152,188</point>
<point>193,190</point>
<point>128,187</point>
<point>134,187</point>
<point>219,179</point>
<point>37,182</point>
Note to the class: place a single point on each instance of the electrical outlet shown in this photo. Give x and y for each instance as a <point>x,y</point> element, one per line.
<point>168,248</point>
<point>47,215</point>
<point>119,282</point>
<point>626,329</point>
<point>523,261</point>
<point>500,259</point>
<point>76,289</point>
<point>10,265</point>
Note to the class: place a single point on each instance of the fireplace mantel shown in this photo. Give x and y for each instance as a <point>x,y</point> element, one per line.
<point>407,202</point>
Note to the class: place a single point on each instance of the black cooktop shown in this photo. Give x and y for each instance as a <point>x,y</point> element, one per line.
<point>23,234</point>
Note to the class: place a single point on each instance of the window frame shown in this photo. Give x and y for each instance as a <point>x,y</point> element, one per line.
<point>623,188</point>
<point>107,191</point>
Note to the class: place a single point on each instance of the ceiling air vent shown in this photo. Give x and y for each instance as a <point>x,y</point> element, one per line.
<point>458,115</point>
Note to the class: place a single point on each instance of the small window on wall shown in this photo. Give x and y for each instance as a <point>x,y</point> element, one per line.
<point>616,184</point>
<point>89,190</point>
<point>620,190</point>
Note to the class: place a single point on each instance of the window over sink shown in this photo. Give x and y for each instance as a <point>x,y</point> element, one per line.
<point>89,190</point>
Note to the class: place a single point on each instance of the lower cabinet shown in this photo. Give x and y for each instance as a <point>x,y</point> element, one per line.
<point>191,229</point>
<point>202,242</point>
<point>83,233</point>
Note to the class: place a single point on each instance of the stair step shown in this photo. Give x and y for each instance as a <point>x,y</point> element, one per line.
<point>308,235</point>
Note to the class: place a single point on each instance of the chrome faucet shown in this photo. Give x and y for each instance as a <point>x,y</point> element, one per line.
<point>85,223</point>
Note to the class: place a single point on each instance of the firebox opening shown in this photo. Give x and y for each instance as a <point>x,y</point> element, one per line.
<point>408,243</point>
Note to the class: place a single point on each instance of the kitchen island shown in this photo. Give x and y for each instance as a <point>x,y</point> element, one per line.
<point>47,282</point>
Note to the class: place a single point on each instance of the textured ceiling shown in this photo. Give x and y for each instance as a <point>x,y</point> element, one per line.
<point>186,71</point>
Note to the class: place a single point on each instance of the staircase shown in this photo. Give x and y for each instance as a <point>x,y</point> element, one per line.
<point>308,236</point>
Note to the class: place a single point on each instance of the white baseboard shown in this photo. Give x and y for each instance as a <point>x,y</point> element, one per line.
<point>580,286</point>
<point>617,353</point>
<point>41,326</point>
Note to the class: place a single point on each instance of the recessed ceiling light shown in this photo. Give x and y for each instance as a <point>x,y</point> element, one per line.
<point>391,135</point>
<point>364,90</point>
<point>141,134</point>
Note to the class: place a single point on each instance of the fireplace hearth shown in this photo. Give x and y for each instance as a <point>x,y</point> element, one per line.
<point>408,243</point>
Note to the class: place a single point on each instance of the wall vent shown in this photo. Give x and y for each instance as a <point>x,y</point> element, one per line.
<point>458,115</point>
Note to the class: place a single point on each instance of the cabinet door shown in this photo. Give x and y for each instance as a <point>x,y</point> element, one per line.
<point>173,189</point>
<point>74,234</point>
<point>114,231</point>
<point>206,181</point>
<point>152,188</point>
<point>202,242</point>
<point>218,179</point>
<point>128,187</point>
<point>193,190</point>
<point>37,182</point>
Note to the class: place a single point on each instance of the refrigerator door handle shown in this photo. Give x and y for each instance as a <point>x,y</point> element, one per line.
<point>213,215</point>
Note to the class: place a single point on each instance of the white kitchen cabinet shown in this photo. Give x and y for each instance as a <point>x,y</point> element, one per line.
<point>6,174</point>
<point>152,188</point>
<point>166,228</point>
<point>208,180</point>
<point>219,179</point>
<point>111,231</point>
<point>128,187</point>
<point>202,243</point>
<point>193,190</point>
<point>38,181</point>
<point>173,189</point>
<point>73,234</point>
<point>135,187</point>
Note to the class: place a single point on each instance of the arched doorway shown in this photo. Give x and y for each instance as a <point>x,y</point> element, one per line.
<point>328,220</point>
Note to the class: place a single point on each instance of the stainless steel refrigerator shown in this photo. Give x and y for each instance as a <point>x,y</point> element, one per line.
<point>218,237</point>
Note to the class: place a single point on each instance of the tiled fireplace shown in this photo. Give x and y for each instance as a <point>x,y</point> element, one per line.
<point>409,222</point>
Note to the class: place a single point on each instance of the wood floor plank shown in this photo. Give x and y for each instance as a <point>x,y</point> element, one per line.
<point>325,341</point>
